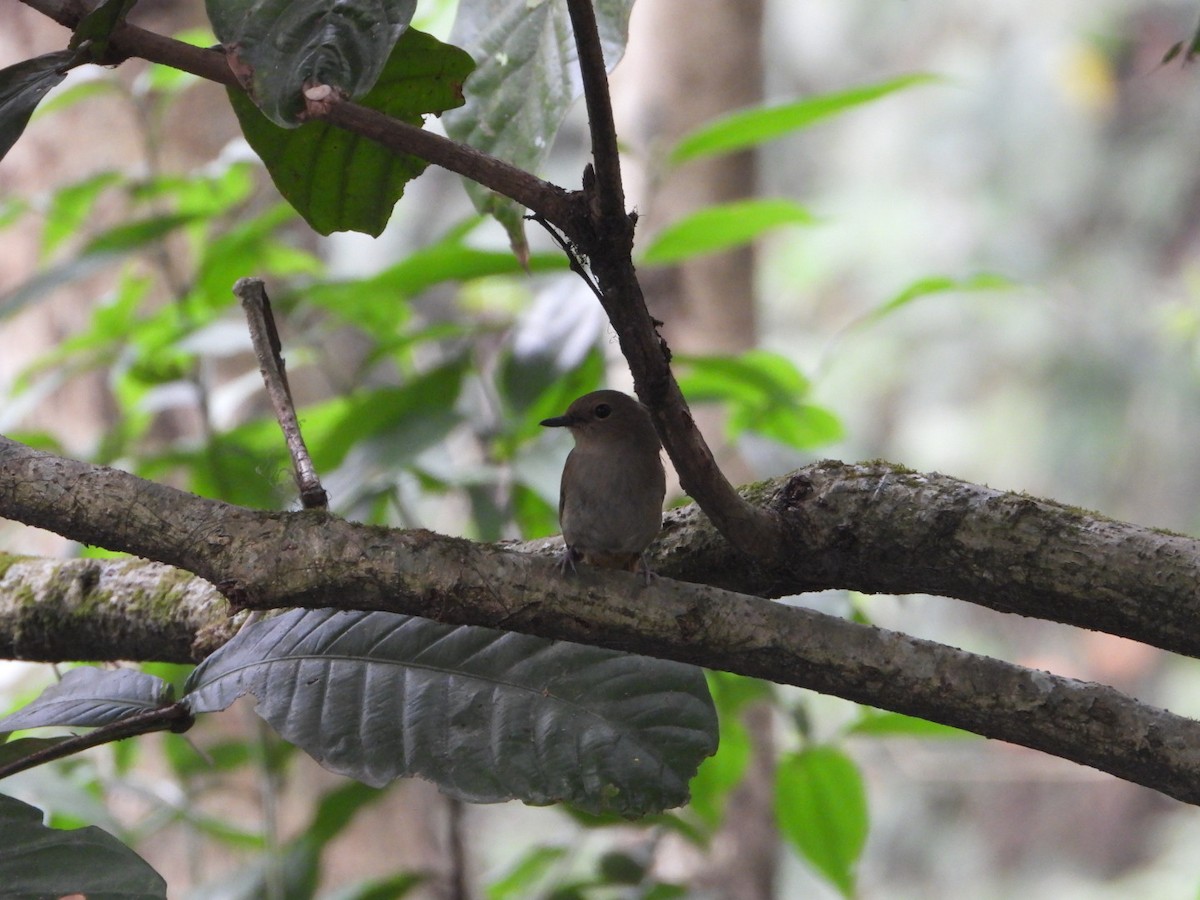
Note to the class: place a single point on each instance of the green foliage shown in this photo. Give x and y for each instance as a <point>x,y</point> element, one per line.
<point>283,46</point>
<point>821,808</point>
<point>525,81</point>
<point>764,393</point>
<point>343,182</point>
<point>44,862</point>
<point>429,418</point>
<point>515,716</point>
<point>722,227</point>
<point>750,127</point>
<point>936,284</point>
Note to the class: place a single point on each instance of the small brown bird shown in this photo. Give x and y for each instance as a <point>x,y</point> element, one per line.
<point>611,495</point>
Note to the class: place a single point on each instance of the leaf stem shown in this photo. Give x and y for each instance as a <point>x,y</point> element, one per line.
<point>177,718</point>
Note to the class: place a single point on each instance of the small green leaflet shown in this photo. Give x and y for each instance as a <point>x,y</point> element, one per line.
<point>751,127</point>
<point>821,809</point>
<point>936,284</point>
<point>722,227</point>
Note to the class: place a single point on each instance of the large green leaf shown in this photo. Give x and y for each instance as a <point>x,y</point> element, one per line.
<point>22,88</point>
<point>750,127</point>
<point>821,809</point>
<point>91,696</point>
<point>43,862</point>
<point>290,44</point>
<point>722,227</point>
<point>526,79</point>
<point>344,182</point>
<point>487,715</point>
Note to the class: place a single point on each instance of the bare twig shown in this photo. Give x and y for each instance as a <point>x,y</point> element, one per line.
<point>267,348</point>
<point>572,255</point>
<point>610,197</point>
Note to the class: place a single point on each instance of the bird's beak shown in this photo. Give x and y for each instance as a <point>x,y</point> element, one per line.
<point>558,422</point>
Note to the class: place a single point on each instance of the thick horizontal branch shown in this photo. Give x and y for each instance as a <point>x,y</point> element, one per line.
<point>879,528</point>
<point>314,559</point>
<point>55,610</point>
<point>548,200</point>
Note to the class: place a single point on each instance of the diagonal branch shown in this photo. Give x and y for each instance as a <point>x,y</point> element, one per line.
<point>549,200</point>
<point>607,239</point>
<point>264,560</point>
<point>267,348</point>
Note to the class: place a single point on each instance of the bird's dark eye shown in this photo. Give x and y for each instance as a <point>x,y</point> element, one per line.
<point>602,410</point>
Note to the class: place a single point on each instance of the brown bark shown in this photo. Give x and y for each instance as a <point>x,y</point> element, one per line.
<point>266,560</point>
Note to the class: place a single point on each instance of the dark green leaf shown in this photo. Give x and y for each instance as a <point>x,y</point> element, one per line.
<point>821,809</point>
<point>91,696</point>
<point>344,182</point>
<point>290,44</point>
<point>526,79</point>
<point>750,127</point>
<point>22,87</point>
<point>41,862</point>
<point>487,715</point>
<point>722,227</point>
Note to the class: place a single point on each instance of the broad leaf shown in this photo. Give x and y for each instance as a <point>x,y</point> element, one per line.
<point>750,127</point>
<point>345,182</point>
<point>22,88</point>
<point>722,227</point>
<point>91,696</point>
<point>290,44</point>
<point>526,79</point>
<point>43,862</point>
<point>486,715</point>
<point>821,809</point>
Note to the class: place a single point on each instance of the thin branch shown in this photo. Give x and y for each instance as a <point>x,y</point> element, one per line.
<point>176,717</point>
<point>572,255</point>
<point>608,242</point>
<point>610,194</point>
<point>557,205</point>
<point>269,560</point>
<point>268,349</point>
